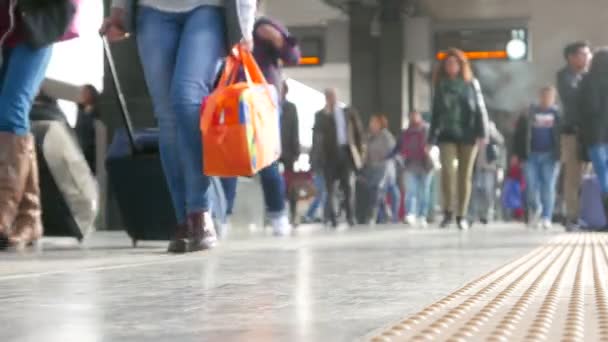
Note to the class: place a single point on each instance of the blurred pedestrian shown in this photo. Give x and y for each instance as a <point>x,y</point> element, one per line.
<point>458,126</point>
<point>181,44</point>
<point>413,152</point>
<point>593,101</point>
<point>484,177</point>
<point>342,147</point>
<point>538,145</point>
<point>88,114</point>
<point>578,56</point>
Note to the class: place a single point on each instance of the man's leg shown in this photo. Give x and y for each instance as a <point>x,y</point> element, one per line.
<point>330,181</point>
<point>550,174</point>
<point>533,188</point>
<point>573,169</point>
<point>346,178</point>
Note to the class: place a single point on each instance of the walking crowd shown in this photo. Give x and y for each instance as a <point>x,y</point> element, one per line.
<point>182,45</point>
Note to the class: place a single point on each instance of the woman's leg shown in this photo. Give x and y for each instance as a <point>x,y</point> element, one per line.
<point>274,190</point>
<point>448,153</point>
<point>466,164</point>
<point>22,73</point>
<point>158,35</point>
<point>201,48</point>
<point>395,194</point>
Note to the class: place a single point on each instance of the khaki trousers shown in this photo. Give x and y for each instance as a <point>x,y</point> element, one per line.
<point>456,181</point>
<point>573,173</point>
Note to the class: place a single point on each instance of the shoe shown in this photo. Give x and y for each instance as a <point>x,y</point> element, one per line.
<point>201,232</point>
<point>534,220</point>
<point>422,223</point>
<point>410,220</point>
<point>281,226</point>
<point>572,226</point>
<point>28,223</point>
<point>483,221</point>
<point>15,165</point>
<point>179,243</point>
<point>447,220</point>
<point>546,224</point>
<point>463,224</point>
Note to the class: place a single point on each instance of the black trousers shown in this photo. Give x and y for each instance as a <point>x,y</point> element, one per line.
<point>340,170</point>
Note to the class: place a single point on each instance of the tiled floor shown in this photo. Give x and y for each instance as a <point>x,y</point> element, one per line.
<point>318,286</point>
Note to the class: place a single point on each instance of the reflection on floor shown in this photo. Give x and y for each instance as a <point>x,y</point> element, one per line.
<point>318,286</point>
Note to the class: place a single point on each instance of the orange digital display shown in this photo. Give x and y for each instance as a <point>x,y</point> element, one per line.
<point>477,55</point>
<point>310,60</point>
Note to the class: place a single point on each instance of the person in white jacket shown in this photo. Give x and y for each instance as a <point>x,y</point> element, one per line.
<point>181,45</point>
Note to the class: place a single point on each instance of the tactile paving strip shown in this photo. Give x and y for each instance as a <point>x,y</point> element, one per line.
<point>557,292</point>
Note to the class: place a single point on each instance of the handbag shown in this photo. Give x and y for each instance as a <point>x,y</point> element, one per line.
<point>45,22</point>
<point>240,121</point>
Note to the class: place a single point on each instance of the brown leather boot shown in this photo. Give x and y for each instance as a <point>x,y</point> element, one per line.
<point>179,244</point>
<point>201,231</point>
<point>28,223</point>
<point>14,169</point>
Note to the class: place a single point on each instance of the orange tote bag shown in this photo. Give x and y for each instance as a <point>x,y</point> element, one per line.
<point>240,121</point>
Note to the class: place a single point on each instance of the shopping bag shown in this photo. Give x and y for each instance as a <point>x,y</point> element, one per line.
<point>240,121</point>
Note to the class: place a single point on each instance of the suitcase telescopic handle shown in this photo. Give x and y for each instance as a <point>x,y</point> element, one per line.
<point>124,110</point>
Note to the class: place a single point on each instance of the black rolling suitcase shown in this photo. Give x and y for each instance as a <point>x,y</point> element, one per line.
<point>137,180</point>
<point>68,190</point>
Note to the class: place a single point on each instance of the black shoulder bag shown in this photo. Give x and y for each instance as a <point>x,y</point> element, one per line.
<point>45,21</point>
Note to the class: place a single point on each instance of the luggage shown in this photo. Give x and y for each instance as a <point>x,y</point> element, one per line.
<point>240,121</point>
<point>68,189</point>
<point>592,215</point>
<point>137,180</point>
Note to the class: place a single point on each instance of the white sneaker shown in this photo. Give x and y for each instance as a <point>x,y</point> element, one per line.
<point>281,226</point>
<point>546,224</point>
<point>422,223</point>
<point>534,221</point>
<point>410,220</point>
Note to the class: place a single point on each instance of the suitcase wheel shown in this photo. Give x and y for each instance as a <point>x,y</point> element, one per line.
<point>134,243</point>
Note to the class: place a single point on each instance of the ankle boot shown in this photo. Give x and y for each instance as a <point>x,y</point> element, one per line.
<point>201,231</point>
<point>28,223</point>
<point>179,243</point>
<point>14,169</point>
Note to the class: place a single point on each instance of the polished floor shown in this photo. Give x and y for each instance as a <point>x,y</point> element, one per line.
<point>319,285</point>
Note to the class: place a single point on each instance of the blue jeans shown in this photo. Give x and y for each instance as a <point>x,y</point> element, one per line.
<point>181,54</point>
<point>599,158</point>
<point>273,188</point>
<point>20,77</point>
<point>392,190</point>
<point>417,193</point>
<point>320,197</point>
<point>542,172</point>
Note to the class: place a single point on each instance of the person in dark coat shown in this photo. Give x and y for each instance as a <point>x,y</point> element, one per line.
<point>593,103</point>
<point>341,150</point>
<point>290,148</point>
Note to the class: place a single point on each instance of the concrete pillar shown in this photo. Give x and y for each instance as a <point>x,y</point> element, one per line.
<point>376,60</point>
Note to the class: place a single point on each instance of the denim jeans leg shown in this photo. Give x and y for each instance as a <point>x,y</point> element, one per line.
<point>274,190</point>
<point>395,194</point>
<point>201,49</point>
<point>550,173</point>
<point>411,193</point>
<point>319,199</point>
<point>229,185</point>
<point>533,184</point>
<point>599,158</point>
<point>22,75</point>
<point>158,35</point>
<point>424,194</point>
